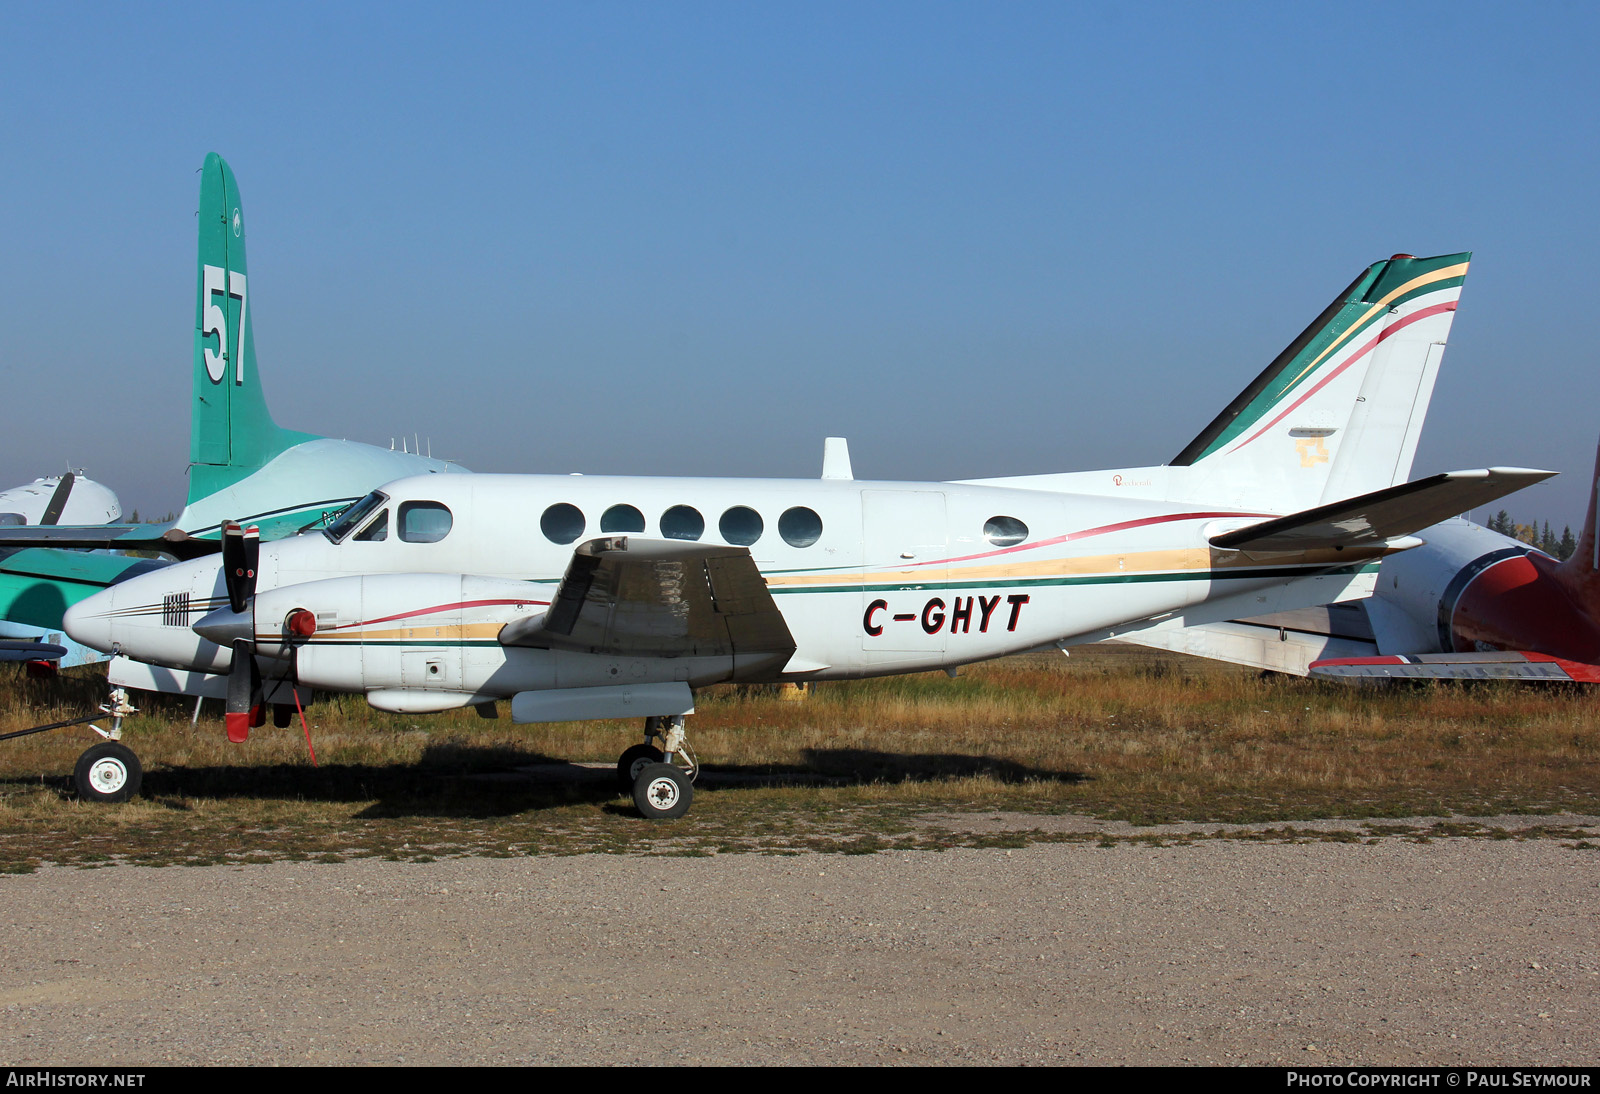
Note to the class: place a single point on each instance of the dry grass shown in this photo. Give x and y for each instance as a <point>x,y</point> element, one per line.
<point>1113,733</point>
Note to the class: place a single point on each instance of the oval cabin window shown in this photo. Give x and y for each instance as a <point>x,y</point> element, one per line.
<point>1004,531</point>
<point>682,522</point>
<point>800,527</point>
<point>741,526</point>
<point>622,518</point>
<point>562,523</point>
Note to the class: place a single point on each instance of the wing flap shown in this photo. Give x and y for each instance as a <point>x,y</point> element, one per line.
<point>1492,665</point>
<point>1370,520</point>
<point>625,596</point>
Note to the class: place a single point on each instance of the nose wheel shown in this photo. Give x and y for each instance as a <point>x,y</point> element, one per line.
<point>661,788</point>
<point>108,772</point>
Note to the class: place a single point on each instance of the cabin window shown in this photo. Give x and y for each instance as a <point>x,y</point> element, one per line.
<point>741,526</point>
<point>1004,531</point>
<point>376,531</point>
<point>562,523</point>
<point>800,527</point>
<point>622,518</point>
<point>682,522</point>
<point>423,521</point>
<point>353,516</point>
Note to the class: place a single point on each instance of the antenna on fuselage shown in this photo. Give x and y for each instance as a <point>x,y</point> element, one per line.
<point>836,458</point>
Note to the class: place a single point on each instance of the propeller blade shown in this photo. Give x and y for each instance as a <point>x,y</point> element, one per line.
<point>241,554</point>
<point>58,500</point>
<point>244,690</point>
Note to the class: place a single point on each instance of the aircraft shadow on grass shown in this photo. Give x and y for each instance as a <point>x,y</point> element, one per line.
<point>452,780</point>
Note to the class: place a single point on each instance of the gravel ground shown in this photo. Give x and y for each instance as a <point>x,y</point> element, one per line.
<point>1453,951</point>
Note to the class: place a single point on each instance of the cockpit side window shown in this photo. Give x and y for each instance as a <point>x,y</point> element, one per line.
<point>353,517</point>
<point>423,521</point>
<point>376,531</point>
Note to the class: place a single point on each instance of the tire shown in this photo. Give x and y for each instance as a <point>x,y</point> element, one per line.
<point>108,772</point>
<point>662,792</point>
<point>633,761</point>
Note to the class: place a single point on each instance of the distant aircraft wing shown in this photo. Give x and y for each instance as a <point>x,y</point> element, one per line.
<point>632,597</point>
<point>1368,520</point>
<point>166,538</point>
<point>37,585</point>
<point>1288,641</point>
<point>14,649</point>
<point>1495,665</point>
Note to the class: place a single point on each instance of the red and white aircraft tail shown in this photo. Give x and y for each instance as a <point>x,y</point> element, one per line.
<point>1498,609</point>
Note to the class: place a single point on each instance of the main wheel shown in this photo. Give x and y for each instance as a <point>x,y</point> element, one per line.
<point>108,772</point>
<point>662,792</point>
<point>633,761</point>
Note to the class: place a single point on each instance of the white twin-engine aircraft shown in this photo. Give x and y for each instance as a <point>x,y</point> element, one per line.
<point>598,597</point>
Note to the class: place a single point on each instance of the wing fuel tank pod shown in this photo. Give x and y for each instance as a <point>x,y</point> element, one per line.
<point>619,701</point>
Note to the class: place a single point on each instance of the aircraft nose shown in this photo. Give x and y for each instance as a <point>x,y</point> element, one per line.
<point>89,621</point>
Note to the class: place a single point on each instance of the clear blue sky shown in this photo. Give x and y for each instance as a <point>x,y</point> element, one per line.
<point>975,239</point>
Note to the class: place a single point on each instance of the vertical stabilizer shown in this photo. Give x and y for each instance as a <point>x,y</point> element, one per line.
<point>1580,574</point>
<point>231,434</point>
<point>1338,412</point>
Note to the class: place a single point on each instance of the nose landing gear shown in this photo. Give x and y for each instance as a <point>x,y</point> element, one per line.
<point>108,771</point>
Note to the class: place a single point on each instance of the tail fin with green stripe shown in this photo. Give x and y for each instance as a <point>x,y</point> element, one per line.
<point>1338,412</point>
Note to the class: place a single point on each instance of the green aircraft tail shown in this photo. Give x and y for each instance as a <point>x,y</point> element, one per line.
<point>232,434</point>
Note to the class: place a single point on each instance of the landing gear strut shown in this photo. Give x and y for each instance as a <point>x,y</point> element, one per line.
<point>109,771</point>
<point>661,789</point>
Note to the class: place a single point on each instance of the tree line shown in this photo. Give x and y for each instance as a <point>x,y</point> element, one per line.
<point>1557,547</point>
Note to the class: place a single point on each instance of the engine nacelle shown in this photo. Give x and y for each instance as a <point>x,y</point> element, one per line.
<point>1469,590</point>
<point>391,632</point>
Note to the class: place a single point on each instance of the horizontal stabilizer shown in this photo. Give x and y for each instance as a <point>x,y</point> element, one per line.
<point>625,596</point>
<point>1494,665</point>
<point>1369,520</point>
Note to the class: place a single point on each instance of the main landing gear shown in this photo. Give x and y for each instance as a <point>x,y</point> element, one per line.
<point>661,789</point>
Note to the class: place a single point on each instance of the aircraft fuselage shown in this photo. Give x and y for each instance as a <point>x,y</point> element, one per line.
<point>870,577</point>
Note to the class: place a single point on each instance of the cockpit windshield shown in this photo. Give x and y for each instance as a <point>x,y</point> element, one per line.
<point>352,517</point>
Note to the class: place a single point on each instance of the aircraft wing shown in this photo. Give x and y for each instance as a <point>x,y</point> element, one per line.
<point>166,538</point>
<point>1369,520</point>
<point>36,586</point>
<point>1494,665</point>
<point>626,596</point>
<point>14,649</point>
